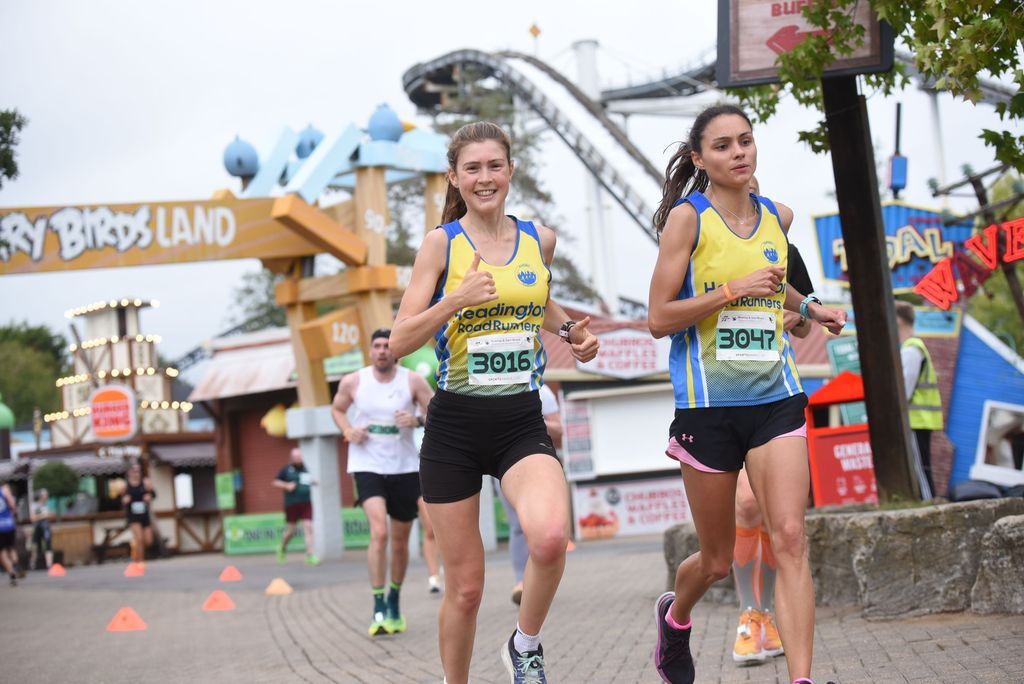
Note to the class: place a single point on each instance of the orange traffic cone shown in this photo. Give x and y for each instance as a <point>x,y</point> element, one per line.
<point>57,570</point>
<point>126,620</point>
<point>278,587</point>
<point>218,600</point>
<point>230,574</point>
<point>135,570</point>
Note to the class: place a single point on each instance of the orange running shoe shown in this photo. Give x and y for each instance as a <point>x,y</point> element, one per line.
<point>747,649</point>
<point>771,644</point>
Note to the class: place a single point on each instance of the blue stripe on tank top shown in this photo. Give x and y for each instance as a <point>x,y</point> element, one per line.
<point>700,382</point>
<point>787,370</point>
<point>693,346</point>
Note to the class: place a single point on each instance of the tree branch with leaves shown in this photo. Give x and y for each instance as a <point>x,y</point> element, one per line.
<point>954,43</point>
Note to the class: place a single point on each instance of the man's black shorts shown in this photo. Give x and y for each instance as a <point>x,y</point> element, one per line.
<point>469,436</point>
<point>401,492</point>
<point>719,437</point>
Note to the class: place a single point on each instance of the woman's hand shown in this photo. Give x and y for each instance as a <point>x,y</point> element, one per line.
<point>761,283</point>
<point>832,319</point>
<point>477,286</point>
<point>582,342</point>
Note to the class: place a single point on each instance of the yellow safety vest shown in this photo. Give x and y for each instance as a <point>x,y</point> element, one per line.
<point>925,405</point>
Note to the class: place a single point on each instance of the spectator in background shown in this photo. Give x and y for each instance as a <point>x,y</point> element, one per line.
<point>295,480</point>
<point>8,526</point>
<point>41,537</point>
<point>923,400</point>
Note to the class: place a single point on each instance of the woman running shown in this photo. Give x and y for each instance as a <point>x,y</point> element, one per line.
<point>138,493</point>
<point>480,288</point>
<point>719,289</point>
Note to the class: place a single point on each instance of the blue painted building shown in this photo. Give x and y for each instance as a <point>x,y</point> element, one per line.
<point>987,371</point>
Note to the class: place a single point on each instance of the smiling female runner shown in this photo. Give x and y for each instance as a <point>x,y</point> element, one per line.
<point>719,289</point>
<point>480,287</point>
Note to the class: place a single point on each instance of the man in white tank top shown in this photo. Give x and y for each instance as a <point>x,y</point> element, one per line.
<point>388,404</point>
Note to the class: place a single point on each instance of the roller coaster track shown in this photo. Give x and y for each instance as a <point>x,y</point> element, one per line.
<point>633,191</point>
<point>599,143</point>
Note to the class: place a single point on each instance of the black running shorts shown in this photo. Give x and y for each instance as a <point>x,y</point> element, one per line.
<point>401,492</point>
<point>719,437</point>
<point>469,436</point>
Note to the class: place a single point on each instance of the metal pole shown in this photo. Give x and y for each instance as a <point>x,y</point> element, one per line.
<point>860,216</point>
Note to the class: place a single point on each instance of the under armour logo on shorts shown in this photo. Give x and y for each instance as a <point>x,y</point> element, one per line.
<point>685,438</point>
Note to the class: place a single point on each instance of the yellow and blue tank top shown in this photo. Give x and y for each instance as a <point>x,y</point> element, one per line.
<point>494,348</point>
<point>737,356</point>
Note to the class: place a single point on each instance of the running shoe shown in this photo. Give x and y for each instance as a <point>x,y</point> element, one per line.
<point>312,559</point>
<point>523,668</point>
<point>282,555</point>
<point>672,657</point>
<point>395,622</point>
<point>517,594</point>
<point>379,625</point>
<point>771,643</point>
<point>748,647</point>
<point>434,582</point>
<point>14,580</point>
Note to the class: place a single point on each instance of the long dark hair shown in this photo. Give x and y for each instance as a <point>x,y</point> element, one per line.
<point>454,205</point>
<point>681,175</point>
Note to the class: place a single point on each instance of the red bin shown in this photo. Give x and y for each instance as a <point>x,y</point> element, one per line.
<point>842,469</point>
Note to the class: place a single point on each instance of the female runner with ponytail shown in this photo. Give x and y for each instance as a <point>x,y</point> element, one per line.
<point>719,290</point>
<point>480,288</point>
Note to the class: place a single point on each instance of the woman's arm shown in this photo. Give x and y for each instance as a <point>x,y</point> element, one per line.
<point>583,343</point>
<point>417,321</point>
<point>665,313</point>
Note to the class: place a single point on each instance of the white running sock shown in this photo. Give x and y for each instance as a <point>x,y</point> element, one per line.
<point>523,642</point>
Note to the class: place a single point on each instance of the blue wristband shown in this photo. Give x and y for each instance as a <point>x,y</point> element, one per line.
<point>803,305</point>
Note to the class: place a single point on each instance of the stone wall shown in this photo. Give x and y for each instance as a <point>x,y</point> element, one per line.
<point>933,559</point>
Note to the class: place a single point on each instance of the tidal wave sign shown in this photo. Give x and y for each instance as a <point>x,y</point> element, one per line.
<point>915,241</point>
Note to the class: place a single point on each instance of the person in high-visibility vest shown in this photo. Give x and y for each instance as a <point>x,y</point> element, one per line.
<point>923,400</point>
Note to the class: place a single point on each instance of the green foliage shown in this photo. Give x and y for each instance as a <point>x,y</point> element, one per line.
<point>27,380</point>
<point>11,123</point>
<point>953,41</point>
<point>255,308</point>
<point>405,204</point>
<point>56,478</point>
<point>38,337</point>
<point>33,358</point>
<point>993,307</point>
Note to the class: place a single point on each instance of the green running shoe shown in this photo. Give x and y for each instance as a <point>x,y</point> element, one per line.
<point>395,624</point>
<point>312,559</point>
<point>282,556</point>
<point>379,625</point>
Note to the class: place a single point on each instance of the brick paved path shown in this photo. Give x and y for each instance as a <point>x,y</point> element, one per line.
<point>601,629</point>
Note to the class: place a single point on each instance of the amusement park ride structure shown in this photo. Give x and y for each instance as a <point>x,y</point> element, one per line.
<point>285,232</point>
<point>276,217</point>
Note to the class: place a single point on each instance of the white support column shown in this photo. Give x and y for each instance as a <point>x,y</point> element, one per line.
<point>940,150</point>
<point>598,237</point>
<point>318,439</point>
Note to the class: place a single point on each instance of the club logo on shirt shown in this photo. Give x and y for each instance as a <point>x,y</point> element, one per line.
<point>769,251</point>
<point>527,276</point>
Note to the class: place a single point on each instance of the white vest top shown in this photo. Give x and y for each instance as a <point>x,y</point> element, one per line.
<point>388,449</point>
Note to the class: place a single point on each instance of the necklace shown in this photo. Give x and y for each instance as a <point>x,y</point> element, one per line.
<point>736,216</point>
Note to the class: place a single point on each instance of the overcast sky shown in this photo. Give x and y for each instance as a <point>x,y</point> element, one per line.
<point>133,102</point>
